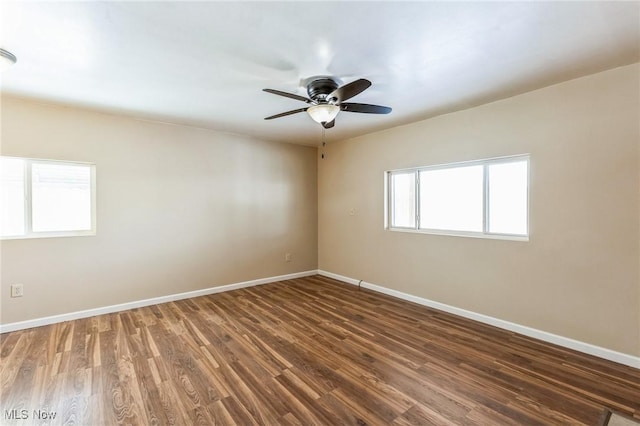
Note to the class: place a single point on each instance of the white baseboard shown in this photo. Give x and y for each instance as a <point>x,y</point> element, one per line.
<point>566,342</point>
<point>5,328</point>
<point>600,352</point>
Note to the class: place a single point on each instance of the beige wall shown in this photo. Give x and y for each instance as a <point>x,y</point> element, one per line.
<point>577,277</point>
<point>179,209</point>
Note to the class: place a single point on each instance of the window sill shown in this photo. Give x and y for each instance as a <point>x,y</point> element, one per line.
<point>508,237</point>
<point>50,235</point>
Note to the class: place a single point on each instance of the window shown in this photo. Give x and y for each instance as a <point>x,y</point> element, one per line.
<point>485,198</point>
<point>44,198</point>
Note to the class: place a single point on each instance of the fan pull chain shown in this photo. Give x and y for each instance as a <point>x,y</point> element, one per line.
<point>323,143</point>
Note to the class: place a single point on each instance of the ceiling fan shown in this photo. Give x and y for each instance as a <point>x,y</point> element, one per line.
<point>326,100</point>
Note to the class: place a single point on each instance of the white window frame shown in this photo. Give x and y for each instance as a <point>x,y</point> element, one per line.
<point>388,196</point>
<point>28,223</point>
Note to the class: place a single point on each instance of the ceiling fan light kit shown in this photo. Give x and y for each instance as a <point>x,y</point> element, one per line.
<point>323,113</point>
<point>326,99</point>
<point>6,59</point>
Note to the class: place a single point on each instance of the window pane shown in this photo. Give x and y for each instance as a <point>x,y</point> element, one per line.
<point>451,199</point>
<point>403,200</point>
<point>12,197</point>
<point>508,198</point>
<point>61,197</point>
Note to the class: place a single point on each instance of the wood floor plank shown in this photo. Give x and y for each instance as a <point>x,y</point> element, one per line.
<point>423,415</point>
<point>308,351</point>
<point>219,414</point>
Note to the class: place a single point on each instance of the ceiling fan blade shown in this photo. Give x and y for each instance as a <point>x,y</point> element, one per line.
<point>330,124</point>
<point>284,114</point>
<point>365,108</point>
<point>288,95</point>
<point>348,91</point>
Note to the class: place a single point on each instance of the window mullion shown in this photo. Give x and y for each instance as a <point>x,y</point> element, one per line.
<point>391,219</point>
<point>28,200</point>
<point>417,199</point>
<point>485,199</point>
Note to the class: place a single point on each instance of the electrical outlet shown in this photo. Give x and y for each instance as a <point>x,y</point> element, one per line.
<point>17,290</point>
<point>287,257</point>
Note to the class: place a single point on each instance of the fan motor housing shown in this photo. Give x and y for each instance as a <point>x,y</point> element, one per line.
<point>319,89</point>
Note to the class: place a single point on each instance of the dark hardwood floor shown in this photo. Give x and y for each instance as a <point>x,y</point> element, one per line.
<point>310,351</point>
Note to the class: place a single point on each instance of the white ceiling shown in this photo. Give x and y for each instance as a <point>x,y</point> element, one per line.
<point>205,63</point>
